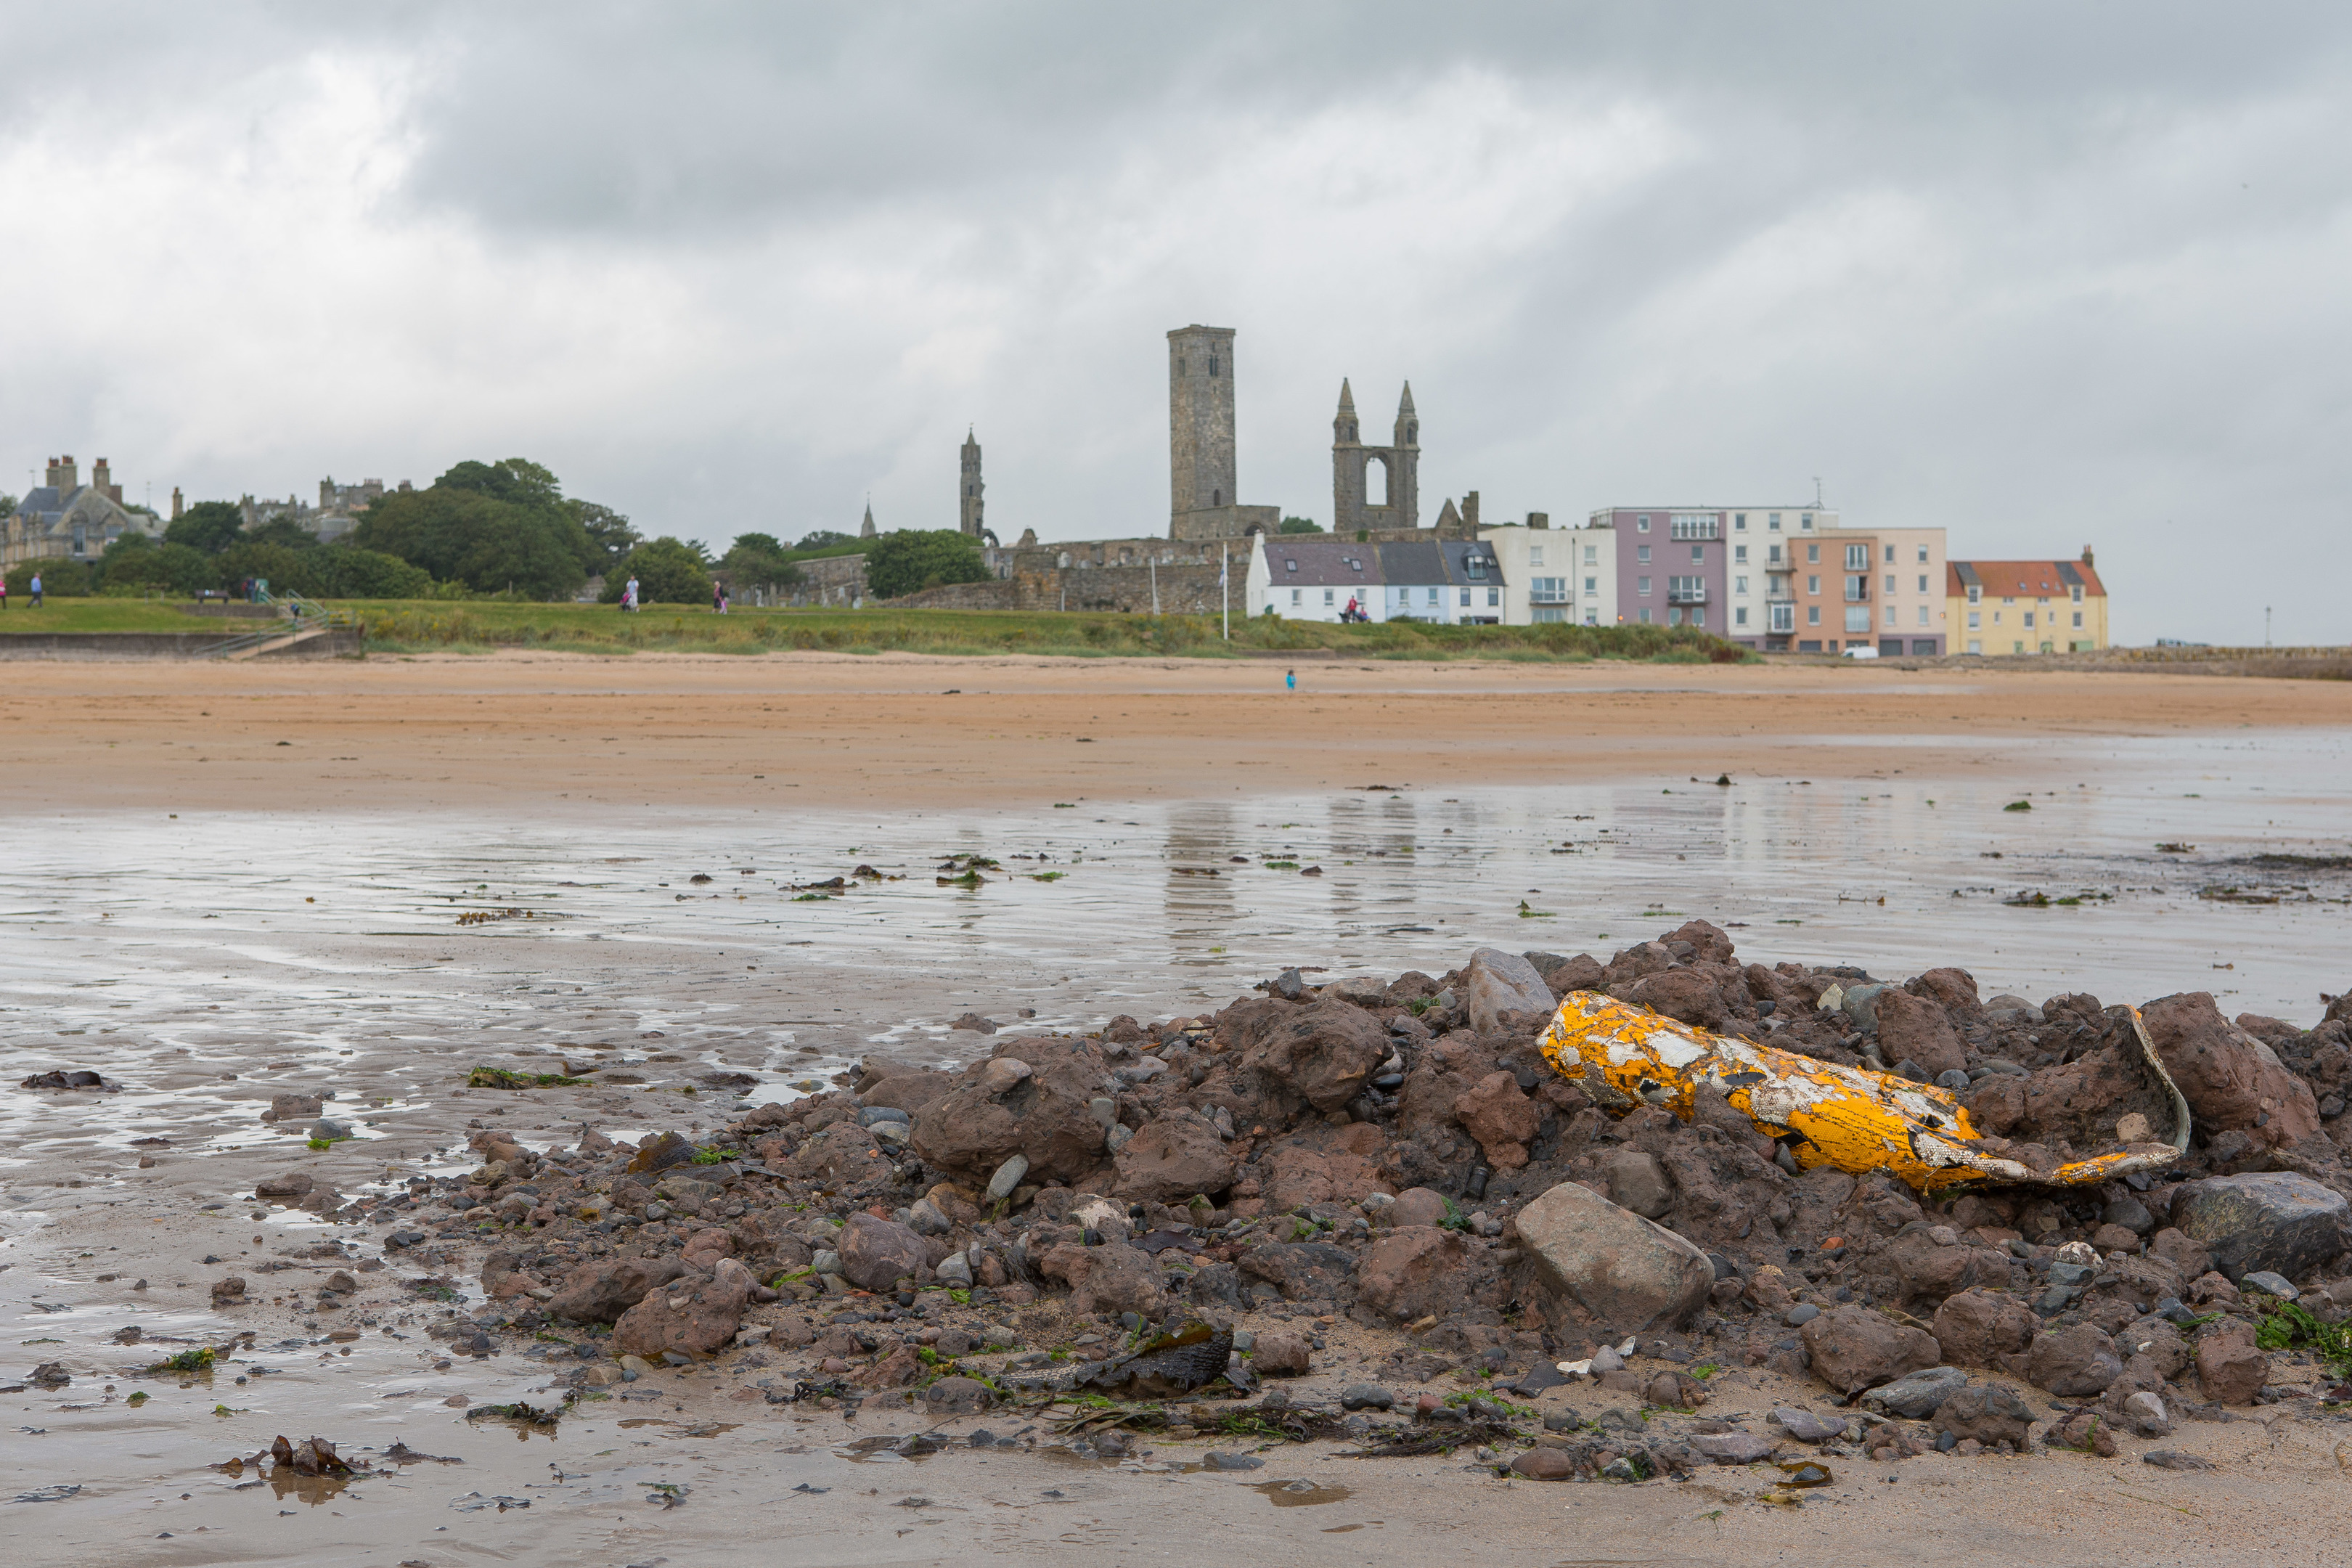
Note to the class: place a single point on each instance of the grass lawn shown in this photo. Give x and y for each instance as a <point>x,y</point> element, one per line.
<point>412,626</point>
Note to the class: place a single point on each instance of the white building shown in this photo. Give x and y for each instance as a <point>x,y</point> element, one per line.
<point>1315,577</point>
<point>1555,574</point>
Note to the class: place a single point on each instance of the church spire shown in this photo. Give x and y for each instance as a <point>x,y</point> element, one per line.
<point>866,531</point>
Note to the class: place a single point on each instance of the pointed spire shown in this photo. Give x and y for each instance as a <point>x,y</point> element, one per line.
<point>867,532</point>
<point>1405,406</point>
<point>1347,397</point>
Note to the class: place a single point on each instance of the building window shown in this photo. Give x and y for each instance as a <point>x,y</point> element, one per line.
<point>1592,555</point>
<point>1290,565</point>
<point>1923,614</point>
<point>1433,598</point>
<point>1642,524</point>
<point>1890,614</point>
<point>1890,582</point>
<point>1739,616</point>
<point>1812,554</point>
<point>2078,620</point>
<point>1923,582</point>
<point>1592,617</point>
<point>1645,617</point>
<point>1857,557</point>
<point>1535,554</point>
<point>1698,616</point>
<point>1326,595</point>
<point>1673,617</point>
<point>1642,586</point>
<point>1923,555</point>
<point>1976,594</point>
<point>1739,554</point>
<point>1739,585</point>
<point>1593,585</point>
<point>2029,619</point>
<point>1857,618</point>
<point>1698,554</point>
<point>1805,521</point>
<point>1784,617</point>
<point>1976,620</point>
<point>1996,617</point>
<point>1775,524</point>
<point>1812,584</point>
<point>1642,555</point>
<point>1696,525</point>
<point>1740,522</point>
<point>1813,615</point>
<point>1890,555</point>
<point>2078,593</point>
<point>1775,556</point>
<point>1975,646</point>
<point>1298,596</point>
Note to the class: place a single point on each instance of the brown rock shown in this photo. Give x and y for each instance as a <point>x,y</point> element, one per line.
<point>1854,1348</point>
<point>1279,1353</point>
<point>285,1184</point>
<point>959,1396</point>
<point>844,1153</point>
<point>1544,1464</point>
<point>907,1092</point>
<point>1412,1271</point>
<point>2231,1368</point>
<point>2085,1431</point>
<point>897,1367</point>
<point>1639,1183</point>
<point>1323,1052</point>
<point>1045,1118</point>
<point>1953,989</point>
<point>292,1107</point>
<point>695,1315</point>
<point>1913,1029</point>
<point>1294,1177</point>
<point>1112,1278</point>
<point>1930,1261</point>
<point>1172,1158</point>
<point>876,1254</point>
<point>2073,1361</point>
<point>1499,1114</point>
<point>2232,1080</point>
<point>1681,994</point>
<point>601,1292</point>
<point>1418,1206</point>
<point>502,1280</point>
<point>1976,1327</point>
<point>229,1293</point>
<point>2185,1253</point>
<point>1988,1413</point>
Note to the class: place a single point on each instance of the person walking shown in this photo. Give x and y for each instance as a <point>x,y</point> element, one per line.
<point>717,598</point>
<point>36,590</point>
<point>4,592</point>
<point>629,597</point>
<point>1290,680</point>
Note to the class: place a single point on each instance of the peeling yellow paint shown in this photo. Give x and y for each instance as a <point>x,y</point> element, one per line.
<point>1849,1117</point>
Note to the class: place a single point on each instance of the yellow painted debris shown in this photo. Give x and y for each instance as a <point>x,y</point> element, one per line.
<point>1852,1119</point>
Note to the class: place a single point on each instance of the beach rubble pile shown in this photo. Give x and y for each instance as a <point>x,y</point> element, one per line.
<point>1195,1213</point>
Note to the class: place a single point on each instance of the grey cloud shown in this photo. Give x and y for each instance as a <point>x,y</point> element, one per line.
<point>2042,275</point>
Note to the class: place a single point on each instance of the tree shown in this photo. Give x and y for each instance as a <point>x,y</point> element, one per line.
<point>516,480</point>
<point>821,537</point>
<point>668,571</point>
<point>135,560</point>
<point>757,560</point>
<point>607,530</point>
<point>211,526</point>
<point>282,530</point>
<point>1299,525</point>
<point>914,558</point>
<point>460,533</point>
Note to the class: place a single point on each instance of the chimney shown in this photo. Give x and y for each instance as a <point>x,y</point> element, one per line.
<point>101,479</point>
<point>1539,519</point>
<point>177,508</point>
<point>1470,513</point>
<point>2087,556</point>
<point>65,474</point>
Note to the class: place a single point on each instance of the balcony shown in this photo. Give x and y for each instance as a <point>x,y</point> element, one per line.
<point>1682,591</point>
<point>1546,596</point>
<point>1703,525</point>
<point>1857,590</point>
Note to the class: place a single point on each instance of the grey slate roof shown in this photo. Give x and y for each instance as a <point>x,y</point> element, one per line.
<point>1305,561</point>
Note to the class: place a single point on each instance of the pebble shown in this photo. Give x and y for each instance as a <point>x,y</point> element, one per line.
<point>1606,1359</point>
<point>2269,1284</point>
<point>1804,1312</point>
<point>1367,1396</point>
<point>1805,1427</point>
<point>1008,1176</point>
<point>1732,1448</point>
<point>1220,1461</point>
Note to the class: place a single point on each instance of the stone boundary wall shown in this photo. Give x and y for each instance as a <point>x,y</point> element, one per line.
<point>113,646</point>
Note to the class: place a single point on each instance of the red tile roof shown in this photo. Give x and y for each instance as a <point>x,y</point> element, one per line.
<point>2023,579</point>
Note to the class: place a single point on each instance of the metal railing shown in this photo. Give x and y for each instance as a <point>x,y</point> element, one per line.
<point>304,620</point>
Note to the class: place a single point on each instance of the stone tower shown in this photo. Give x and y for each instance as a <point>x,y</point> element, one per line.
<point>1351,507</point>
<point>1200,423</point>
<point>867,530</point>
<point>968,507</point>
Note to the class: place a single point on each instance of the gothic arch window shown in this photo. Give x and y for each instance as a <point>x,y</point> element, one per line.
<point>1216,498</point>
<point>1180,364</point>
<point>1212,365</point>
<point>1413,431</point>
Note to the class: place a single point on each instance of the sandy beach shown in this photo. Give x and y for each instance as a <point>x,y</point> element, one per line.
<point>562,732</point>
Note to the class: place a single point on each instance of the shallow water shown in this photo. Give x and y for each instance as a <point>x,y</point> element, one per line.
<point>206,963</point>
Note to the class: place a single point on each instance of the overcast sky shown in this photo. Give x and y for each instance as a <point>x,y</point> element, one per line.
<point>2043,275</point>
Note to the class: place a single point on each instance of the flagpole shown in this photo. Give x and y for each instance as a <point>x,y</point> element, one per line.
<point>1224,589</point>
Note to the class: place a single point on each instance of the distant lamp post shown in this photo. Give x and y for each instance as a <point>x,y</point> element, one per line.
<point>2266,625</point>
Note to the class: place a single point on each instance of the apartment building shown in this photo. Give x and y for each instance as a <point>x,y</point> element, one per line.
<point>1554,575</point>
<point>2026,606</point>
<point>1728,570</point>
<point>1873,588</point>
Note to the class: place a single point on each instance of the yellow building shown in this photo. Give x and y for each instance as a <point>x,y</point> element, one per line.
<point>2026,606</point>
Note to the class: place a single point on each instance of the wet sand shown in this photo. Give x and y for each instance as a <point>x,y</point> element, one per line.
<point>567,732</point>
<point>196,971</point>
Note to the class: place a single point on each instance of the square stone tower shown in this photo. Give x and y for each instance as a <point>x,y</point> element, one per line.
<point>1202,489</point>
<point>968,515</point>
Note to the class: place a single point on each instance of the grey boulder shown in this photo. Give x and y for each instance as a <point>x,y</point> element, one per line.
<point>1916,1395</point>
<point>1498,982</point>
<point>1628,1275</point>
<point>2270,1221</point>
